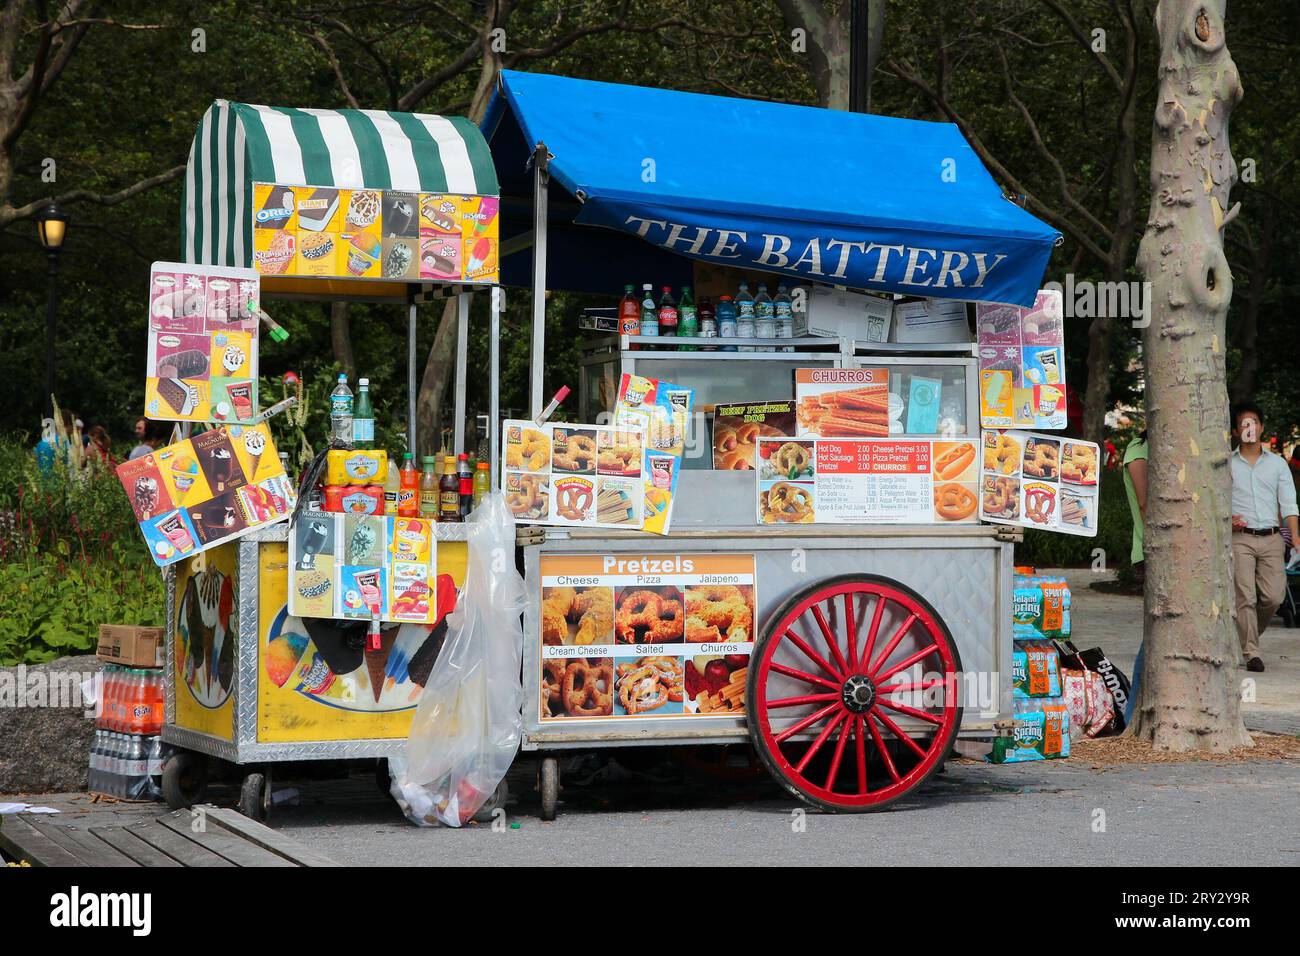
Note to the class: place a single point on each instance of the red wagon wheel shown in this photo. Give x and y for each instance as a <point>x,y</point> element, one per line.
<point>852,693</point>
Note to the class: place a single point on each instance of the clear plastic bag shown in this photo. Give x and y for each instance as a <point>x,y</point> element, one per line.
<point>469,720</point>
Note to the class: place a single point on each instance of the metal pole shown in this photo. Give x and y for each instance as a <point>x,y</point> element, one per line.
<point>494,391</point>
<point>51,323</point>
<point>410,379</point>
<point>462,363</point>
<point>537,365</point>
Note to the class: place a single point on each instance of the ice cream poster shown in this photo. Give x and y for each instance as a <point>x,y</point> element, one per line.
<point>362,566</point>
<point>1022,363</point>
<point>662,411</point>
<point>202,361</point>
<point>206,490</point>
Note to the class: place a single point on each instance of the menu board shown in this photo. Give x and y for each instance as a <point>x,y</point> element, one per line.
<point>737,427</point>
<point>1039,481</point>
<point>206,490</point>
<point>662,411</point>
<point>362,566</point>
<point>203,330</point>
<point>634,635</point>
<point>587,476</point>
<point>866,481</point>
<point>844,402</point>
<point>374,234</point>
<point>1022,363</point>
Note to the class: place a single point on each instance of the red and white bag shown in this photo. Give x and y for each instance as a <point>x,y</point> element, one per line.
<point>1089,702</point>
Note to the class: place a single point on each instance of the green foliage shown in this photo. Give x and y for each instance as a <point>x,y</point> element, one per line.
<point>1047,549</point>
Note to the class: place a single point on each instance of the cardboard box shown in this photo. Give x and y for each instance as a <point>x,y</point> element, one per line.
<point>130,646</point>
<point>837,313</point>
<point>928,321</point>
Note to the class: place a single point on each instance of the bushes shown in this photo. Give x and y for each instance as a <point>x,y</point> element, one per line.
<point>1047,549</point>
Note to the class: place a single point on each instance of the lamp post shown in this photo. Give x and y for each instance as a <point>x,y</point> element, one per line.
<point>51,223</point>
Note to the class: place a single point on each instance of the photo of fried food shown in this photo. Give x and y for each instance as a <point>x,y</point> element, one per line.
<point>1001,497</point>
<point>649,685</point>
<point>850,413</point>
<point>577,616</point>
<point>649,616</point>
<point>734,445</point>
<point>715,684</point>
<point>954,460</point>
<point>717,613</point>
<point>575,450</point>
<point>787,502</point>
<point>577,687</point>
<point>1001,453</point>
<point>1079,464</point>
<point>954,501</point>
<point>785,459</point>
<point>1042,458</point>
<point>619,454</point>
<point>527,496</point>
<point>528,449</point>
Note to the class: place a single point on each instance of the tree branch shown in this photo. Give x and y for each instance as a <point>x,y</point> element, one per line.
<point>11,214</point>
<point>1077,32</point>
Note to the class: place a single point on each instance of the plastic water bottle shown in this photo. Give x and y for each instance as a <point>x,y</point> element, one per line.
<point>96,762</point>
<point>764,317</point>
<point>784,316</point>
<point>341,412</point>
<point>154,764</point>
<point>726,315</point>
<point>649,312</point>
<point>745,316</point>
<point>363,423</point>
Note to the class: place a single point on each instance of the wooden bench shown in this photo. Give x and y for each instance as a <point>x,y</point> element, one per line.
<point>225,838</point>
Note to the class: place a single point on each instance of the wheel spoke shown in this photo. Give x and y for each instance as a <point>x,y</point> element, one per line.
<point>803,699</point>
<point>816,745</point>
<point>876,618</point>
<point>850,627</point>
<point>911,712</point>
<point>845,726</point>
<point>906,662</point>
<point>898,732</point>
<point>812,655</point>
<point>860,746</point>
<point>914,685</point>
<point>805,676</point>
<point>831,642</point>
<point>884,751</point>
<point>893,643</point>
<point>808,721</point>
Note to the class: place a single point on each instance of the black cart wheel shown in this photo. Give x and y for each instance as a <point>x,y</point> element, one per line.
<point>255,797</point>
<point>500,797</point>
<point>549,785</point>
<point>184,779</point>
<point>853,695</point>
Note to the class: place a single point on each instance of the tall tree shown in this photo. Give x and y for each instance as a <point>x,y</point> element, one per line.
<point>1190,693</point>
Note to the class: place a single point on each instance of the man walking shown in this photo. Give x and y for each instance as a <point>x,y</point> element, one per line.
<point>1263,496</point>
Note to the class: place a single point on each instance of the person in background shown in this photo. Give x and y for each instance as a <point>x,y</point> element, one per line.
<point>99,446</point>
<point>54,441</point>
<point>1263,497</point>
<point>154,437</point>
<point>141,425</point>
<point>1135,487</point>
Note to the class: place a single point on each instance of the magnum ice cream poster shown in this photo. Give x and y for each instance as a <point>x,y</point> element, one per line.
<point>206,490</point>
<point>203,330</point>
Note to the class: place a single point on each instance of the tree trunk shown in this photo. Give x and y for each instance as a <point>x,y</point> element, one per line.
<point>1096,394</point>
<point>438,371</point>
<point>1190,693</point>
<point>826,37</point>
<point>341,340</point>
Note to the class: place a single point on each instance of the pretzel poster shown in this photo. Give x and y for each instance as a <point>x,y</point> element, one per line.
<point>359,566</point>
<point>587,476</point>
<point>1039,481</point>
<point>206,490</point>
<point>1022,363</point>
<point>842,402</point>
<point>631,636</point>
<point>202,362</point>
<point>866,481</point>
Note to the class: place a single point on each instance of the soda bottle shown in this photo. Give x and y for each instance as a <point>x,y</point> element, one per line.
<point>429,489</point>
<point>708,323</point>
<point>764,317</point>
<point>466,478</point>
<point>687,319</point>
<point>449,492</point>
<point>745,316</point>
<point>92,775</point>
<point>784,306</point>
<point>667,312</point>
<point>154,764</point>
<point>363,420</point>
<point>112,696</point>
<point>629,312</point>
<point>137,768</point>
<point>482,482</point>
<point>649,311</point>
<point>341,413</point>
<point>408,491</point>
<point>115,753</point>
<point>726,320</point>
<point>392,490</point>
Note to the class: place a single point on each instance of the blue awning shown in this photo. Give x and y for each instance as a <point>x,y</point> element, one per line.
<point>869,202</point>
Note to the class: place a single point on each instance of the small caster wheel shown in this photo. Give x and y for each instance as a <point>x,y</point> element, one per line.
<point>549,784</point>
<point>255,797</point>
<point>497,801</point>
<point>184,779</point>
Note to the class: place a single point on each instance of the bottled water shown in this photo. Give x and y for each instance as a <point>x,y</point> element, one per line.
<point>341,413</point>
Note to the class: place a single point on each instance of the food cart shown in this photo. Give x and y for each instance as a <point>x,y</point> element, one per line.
<point>354,205</point>
<point>851,655</point>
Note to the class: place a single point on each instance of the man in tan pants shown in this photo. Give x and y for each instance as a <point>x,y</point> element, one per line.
<point>1263,494</point>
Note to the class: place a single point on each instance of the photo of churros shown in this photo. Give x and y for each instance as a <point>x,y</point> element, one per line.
<point>715,684</point>
<point>617,501</point>
<point>861,412</point>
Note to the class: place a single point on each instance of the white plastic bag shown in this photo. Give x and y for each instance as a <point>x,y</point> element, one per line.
<point>469,720</point>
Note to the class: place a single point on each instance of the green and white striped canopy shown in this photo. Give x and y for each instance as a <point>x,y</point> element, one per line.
<point>238,144</point>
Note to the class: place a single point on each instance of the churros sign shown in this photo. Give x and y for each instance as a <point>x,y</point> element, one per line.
<point>842,402</point>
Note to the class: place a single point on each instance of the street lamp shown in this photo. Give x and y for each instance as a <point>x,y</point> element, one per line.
<point>51,223</point>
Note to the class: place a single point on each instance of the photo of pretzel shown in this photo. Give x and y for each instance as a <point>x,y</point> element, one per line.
<point>588,688</point>
<point>953,502</point>
<point>574,451</point>
<point>1001,497</point>
<point>1040,504</point>
<point>552,686</point>
<point>649,683</point>
<point>527,496</point>
<point>1001,453</point>
<point>787,502</point>
<point>1079,464</point>
<point>721,612</point>
<point>573,501</point>
<point>527,448</point>
<point>851,413</point>
<point>591,610</point>
<point>953,460</point>
<point>792,459</point>
<point>649,617</point>
<point>1041,458</point>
